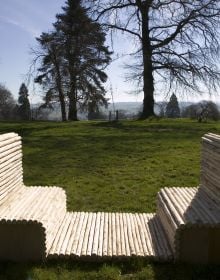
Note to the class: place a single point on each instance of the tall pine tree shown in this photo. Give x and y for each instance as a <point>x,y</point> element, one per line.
<point>52,71</point>
<point>86,54</point>
<point>72,59</point>
<point>24,109</point>
<point>172,109</point>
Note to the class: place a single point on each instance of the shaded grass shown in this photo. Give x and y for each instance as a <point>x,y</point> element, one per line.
<point>111,167</point>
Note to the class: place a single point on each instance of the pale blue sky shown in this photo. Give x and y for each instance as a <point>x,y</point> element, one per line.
<point>21,21</point>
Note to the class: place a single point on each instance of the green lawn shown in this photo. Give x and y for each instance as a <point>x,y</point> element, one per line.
<point>111,167</point>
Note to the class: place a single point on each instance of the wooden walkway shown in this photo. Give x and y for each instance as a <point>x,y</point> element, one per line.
<point>110,235</point>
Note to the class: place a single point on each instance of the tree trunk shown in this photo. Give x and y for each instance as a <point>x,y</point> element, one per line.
<point>62,104</point>
<point>60,89</point>
<point>61,97</point>
<point>148,80</point>
<point>72,116</point>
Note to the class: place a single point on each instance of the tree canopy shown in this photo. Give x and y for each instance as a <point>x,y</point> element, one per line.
<point>23,109</point>
<point>74,59</point>
<point>172,108</point>
<point>7,103</point>
<point>177,42</point>
<point>202,111</point>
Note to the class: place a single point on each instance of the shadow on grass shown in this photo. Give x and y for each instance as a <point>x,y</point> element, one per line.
<point>185,272</point>
<point>135,269</point>
<point>159,125</point>
<point>25,129</point>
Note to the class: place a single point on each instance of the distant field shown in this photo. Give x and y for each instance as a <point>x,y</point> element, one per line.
<point>111,167</point>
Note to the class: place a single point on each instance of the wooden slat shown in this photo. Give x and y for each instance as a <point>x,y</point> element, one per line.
<point>130,237</point>
<point>109,234</point>
<point>96,235</point>
<point>61,245</point>
<point>101,235</point>
<point>70,234</point>
<point>69,249</point>
<point>118,234</point>
<point>4,156</point>
<point>86,235</point>
<point>151,243</point>
<point>82,235</point>
<point>125,228</point>
<point>17,156</point>
<point>10,168</point>
<point>57,240</point>
<point>9,147</point>
<point>105,235</point>
<point>137,236</point>
<point>6,136</point>
<point>68,228</point>
<point>77,234</point>
<point>143,235</point>
<point>123,246</point>
<point>91,235</point>
<point>114,237</point>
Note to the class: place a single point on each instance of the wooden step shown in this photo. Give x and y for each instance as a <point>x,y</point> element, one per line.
<point>110,235</point>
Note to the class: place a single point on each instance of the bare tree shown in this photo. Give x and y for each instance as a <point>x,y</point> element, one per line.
<point>202,111</point>
<point>177,41</point>
<point>7,104</point>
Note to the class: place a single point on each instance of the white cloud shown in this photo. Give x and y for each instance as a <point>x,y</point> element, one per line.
<point>29,29</point>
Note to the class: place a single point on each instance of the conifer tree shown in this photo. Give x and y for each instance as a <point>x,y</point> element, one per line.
<point>24,109</point>
<point>86,55</point>
<point>172,109</point>
<point>73,58</point>
<point>52,71</point>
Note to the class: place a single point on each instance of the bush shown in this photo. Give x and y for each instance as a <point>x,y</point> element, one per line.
<point>7,104</point>
<point>202,111</point>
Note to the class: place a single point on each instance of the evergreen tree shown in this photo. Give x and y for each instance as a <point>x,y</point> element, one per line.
<point>85,53</point>
<point>24,109</point>
<point>72,61</point>
<point>172,109</point>
<point>52,71</point>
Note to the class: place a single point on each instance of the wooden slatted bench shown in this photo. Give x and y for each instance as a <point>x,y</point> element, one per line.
<point>29,216</point>
<point>191,216</point>
<point>34,223</point>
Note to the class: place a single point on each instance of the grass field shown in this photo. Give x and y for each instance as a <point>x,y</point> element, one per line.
<point>111,167</point>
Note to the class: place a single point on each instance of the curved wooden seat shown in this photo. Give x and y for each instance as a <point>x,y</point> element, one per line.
<point>191,216</point>
<point>34,223</point>
<point>29,216</point>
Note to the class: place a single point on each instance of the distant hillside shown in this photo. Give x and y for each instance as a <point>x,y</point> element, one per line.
<point>126,109</point>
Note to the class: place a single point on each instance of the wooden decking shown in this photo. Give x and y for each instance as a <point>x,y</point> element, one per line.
<point>110,235</point>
